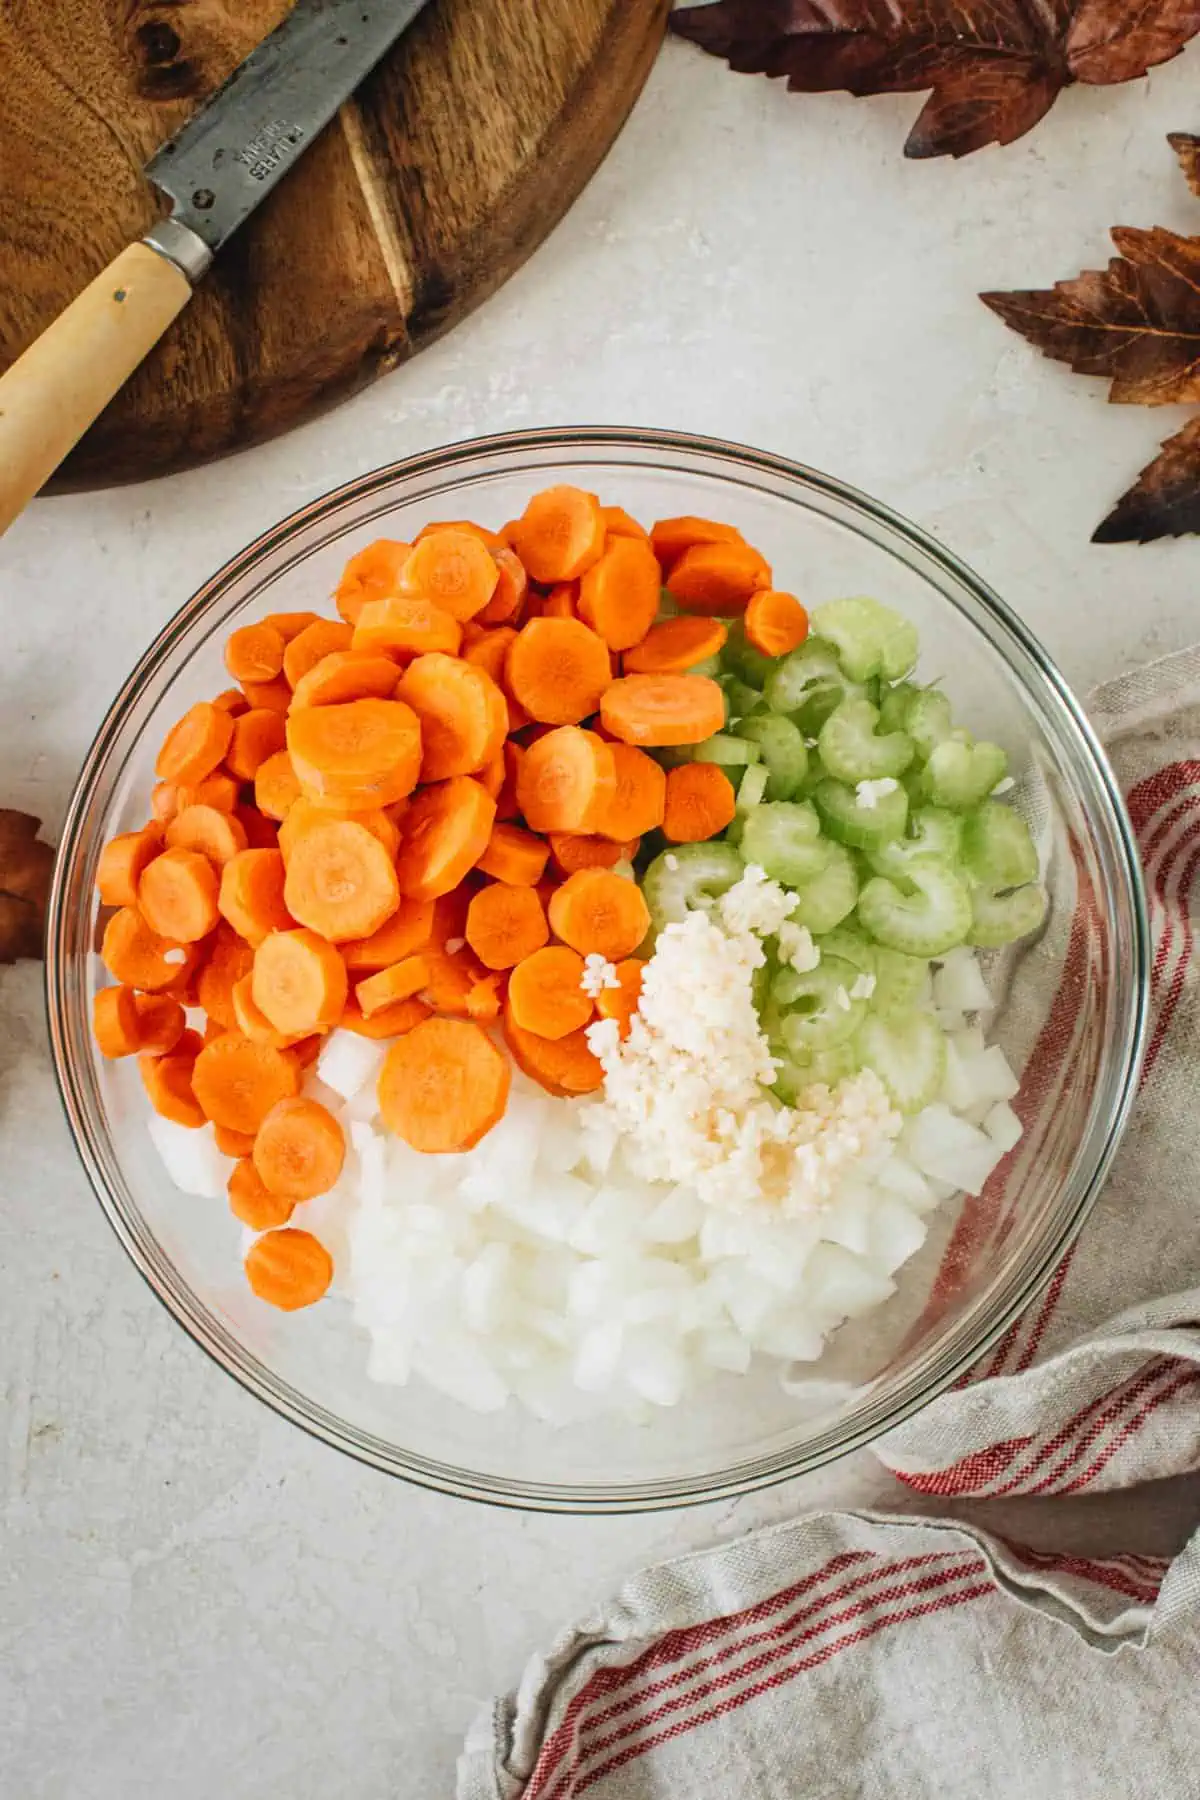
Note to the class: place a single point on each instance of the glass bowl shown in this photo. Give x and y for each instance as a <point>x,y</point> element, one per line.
<point>1072,1018</point>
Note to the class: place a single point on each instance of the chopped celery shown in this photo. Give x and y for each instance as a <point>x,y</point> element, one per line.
<point>829,897</point>
<point>894,705</point>
<point>784,838</point>
<point>817,1007</point>
<point>960,774</point>
<point>743,701</point>
<point>924,923</point>
<point>851,750</point>
<point>852,945</point>
<point>708,665</point>
<point>870,639</point>
<point>929,721</point>
<point>783,751</point>
<point>743,660</point>
<point>729,751</point>
<point>998,919</point>
<point>689,876</point>
<point>808,684</point>
<point>908,1053</point>
<point>997,848</point>
<point>900,981</point>
<point>823,1067</point>
<point>932,832</point>
<point>850,820</point>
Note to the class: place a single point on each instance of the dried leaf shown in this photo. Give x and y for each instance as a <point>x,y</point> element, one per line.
<point>1136,324</point>
<point>26,865</point>
<point>994,66</point>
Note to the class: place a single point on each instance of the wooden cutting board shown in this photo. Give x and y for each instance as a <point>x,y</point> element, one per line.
<point>434,183</point>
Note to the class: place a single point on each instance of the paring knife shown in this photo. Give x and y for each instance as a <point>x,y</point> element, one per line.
<point>215,171</point>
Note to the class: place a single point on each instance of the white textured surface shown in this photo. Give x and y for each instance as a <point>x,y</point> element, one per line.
<point>195,1599</point>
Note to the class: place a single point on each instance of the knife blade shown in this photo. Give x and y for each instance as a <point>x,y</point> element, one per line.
<point>215,171</point>
<point>247,135</point>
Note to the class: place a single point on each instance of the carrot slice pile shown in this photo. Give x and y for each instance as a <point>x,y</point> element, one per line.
<point>407,821</point>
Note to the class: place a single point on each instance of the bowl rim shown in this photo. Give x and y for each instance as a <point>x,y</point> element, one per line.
<point>662,1493</point>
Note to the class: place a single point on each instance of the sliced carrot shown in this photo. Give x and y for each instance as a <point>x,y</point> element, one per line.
<point>399,982</point>
<point>508,596</point>
<point>231,700</point>
<point>717,579</point>
<point>463,714</point>
<point>507,807</point>
<point>257,734</point>
<point>409,929</point>
<point>453,569</point>
<point>619,595</point>
<point>220,790</point>
<point>123,862</point>
<point>546,889</point>
<point>562,602</point>
<point>139,957</point>
<point>291,624</point>
<point>619,523</point>
<point>236,1144</point>
<point>205,829</point>
<point>213,1029</point>
<point>620,1003</point>
<point>261,833</point>
<point>306,814</point>
<point>115,1022</point>
<point>346,675</point>
<point>164,802</point>
<point>254,1024</point>
<point>193,748</point>
<point>450,979</point>
<point>574,850</point>
<point>268,696</point>
<point>289,1268</point>
<point>675,645</point>
<point>389,1022</point>
<point>168,1084</point>
<point>160,1022</point>
<point>563,1066</point>
<point>565,780</point>
<point>558,669</point>
<point>492,539</point>
<point>177,896</point>
<point>312,645</point>
<point>491,776</point>
<point>483,999</point>
<point>671,537</point>
<point>276,787</point>
<point>229,958</point>
<point>340,881</point>
<point>514,856</point>
<point>443,834</point>
<point>544,992</point>
<point>598,914</point>
<point>365,751</point>
<point>450,914</point>
<point>775,622</point>
<point>560,534</point>
<point>443,1086</point>
<point>404,626</point>
<point>700,803</point>
<point>237,1081</point>
<point>300,982</point>
<point>505,925</point>
<point>252,1202</point>
<point>299,1150</point>
<point>663,709</point>
<point>255,652</point>
<point>637,805</point>
<point>489,651</point>
<point>372,575</point>
<point>251,895</point>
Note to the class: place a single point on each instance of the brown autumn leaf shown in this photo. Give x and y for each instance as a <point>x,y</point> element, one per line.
<point>1137,325</point>
<point>25,868</point>
<point>995,67</point>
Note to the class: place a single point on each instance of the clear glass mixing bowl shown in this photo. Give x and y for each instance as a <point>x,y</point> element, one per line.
<point>1072,1020</point>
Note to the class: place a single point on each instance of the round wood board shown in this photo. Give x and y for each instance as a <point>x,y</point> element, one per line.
<point>450,165</point>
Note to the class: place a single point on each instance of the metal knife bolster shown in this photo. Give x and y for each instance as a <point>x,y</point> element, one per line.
<point>181,246</point>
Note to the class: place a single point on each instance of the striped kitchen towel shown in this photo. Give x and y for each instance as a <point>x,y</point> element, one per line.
<point>856,1655</point>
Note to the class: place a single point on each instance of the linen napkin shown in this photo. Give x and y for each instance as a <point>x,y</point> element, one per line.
<point>863,1654</point>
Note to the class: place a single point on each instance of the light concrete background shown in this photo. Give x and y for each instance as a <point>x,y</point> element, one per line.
<point>196,1600</point>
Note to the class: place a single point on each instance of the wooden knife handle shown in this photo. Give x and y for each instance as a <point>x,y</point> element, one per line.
<point>51,394</point>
